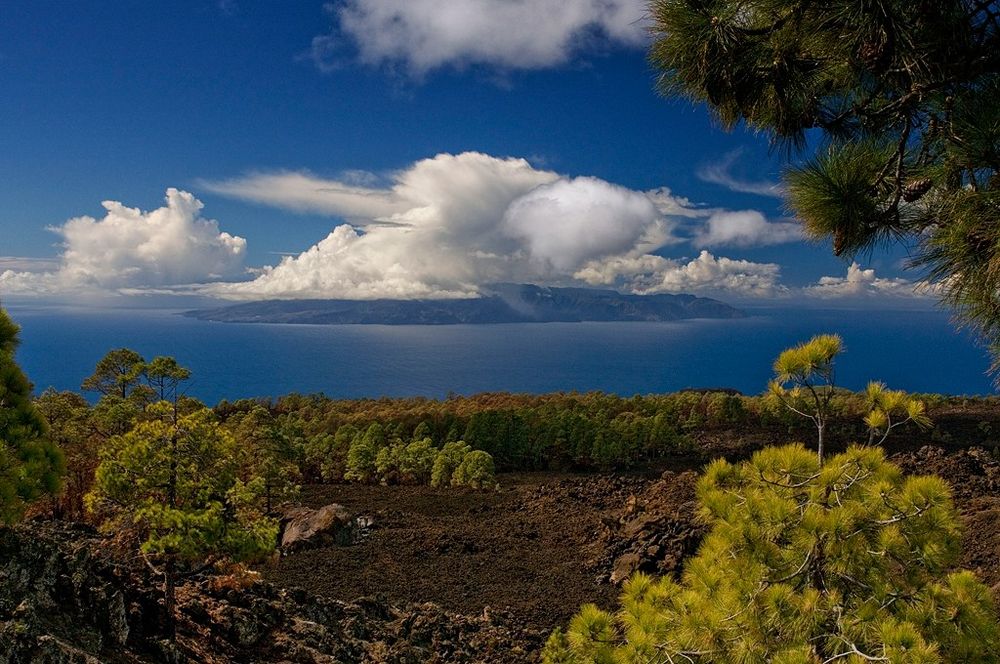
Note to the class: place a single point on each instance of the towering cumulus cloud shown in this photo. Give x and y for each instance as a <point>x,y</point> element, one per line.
<point>446,225</point>
<point>423,35</point>
<point>128,248</point>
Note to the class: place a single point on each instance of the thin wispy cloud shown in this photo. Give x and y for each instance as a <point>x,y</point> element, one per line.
<point>720,173</point>
<point>420,36</point>
<point>27,264</point>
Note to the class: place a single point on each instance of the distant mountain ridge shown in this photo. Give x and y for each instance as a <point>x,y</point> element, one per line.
<point>500,303</point>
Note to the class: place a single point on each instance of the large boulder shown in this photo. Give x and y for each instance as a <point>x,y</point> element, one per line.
<point>303,527</point>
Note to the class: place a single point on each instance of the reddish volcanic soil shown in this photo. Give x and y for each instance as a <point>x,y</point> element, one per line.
<point>548,542</point>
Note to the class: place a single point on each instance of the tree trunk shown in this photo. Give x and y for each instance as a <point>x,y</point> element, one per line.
<point>170,599</point>
<point>820,428</point>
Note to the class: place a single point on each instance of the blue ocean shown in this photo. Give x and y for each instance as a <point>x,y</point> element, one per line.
<point>914,350</point>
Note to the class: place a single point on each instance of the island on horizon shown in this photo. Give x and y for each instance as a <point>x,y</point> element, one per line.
<point>499,303</point>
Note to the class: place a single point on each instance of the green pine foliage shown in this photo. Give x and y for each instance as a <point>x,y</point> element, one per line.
<point>335,465</point>
<point>565,431</point>
<point>178,483</point>
<point>423,430</point>
<point>808,369</point>
<point>71,427</point>
<point>267,453</point>
<point>845,562</point>
<point>30,462</point>
<point>420,462</point>
<point>898,98</point>
<point>416,461</point>
<point>164,376</point>
<point>174,480</point>
<point>476,471</point>
<point>446,461</point>
<point>387,462</point>
<point>117,374</point>
<point>363,452</point>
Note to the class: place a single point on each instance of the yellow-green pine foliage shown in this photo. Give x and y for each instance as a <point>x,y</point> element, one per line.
<point>447,460</point>
<point>416,461</point>
<point>476,470</point>
<point>363,452</point>
<point>845,562</point>
<point>387,462</point>
<point>30,464</point>
<point>178,483</point>
<point>889,409</point>
<point>804,380</point>
<point>809,362</point>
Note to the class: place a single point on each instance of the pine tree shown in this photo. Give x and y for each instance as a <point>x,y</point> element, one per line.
<point>808,368</point>
<point>30,463</point>
<point>447,460</point>
<point>164,375</point>
<point>898,101</point>
<point>804,564</point>
<point>175,482</point>
<point>71,428</point>
<point>890,409</point>
<point>362,453</point>
<point>267,454</point>
<point>117,374</point>
<point>476,470</point>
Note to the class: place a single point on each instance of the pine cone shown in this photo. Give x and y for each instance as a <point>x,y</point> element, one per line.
<point>914,190</point>
<point>874,52</point>
<point>839,240</point>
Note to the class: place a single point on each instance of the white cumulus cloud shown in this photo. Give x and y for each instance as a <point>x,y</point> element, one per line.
<point>449,224</point>
<point>568,222</point>
<point>744,228</point>
<point>647,274</point>
<point>423,35</point>
<point>863,283</point>
<point>129,248</point>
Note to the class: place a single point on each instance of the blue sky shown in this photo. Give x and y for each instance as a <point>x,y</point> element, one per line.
<point>463,145</point>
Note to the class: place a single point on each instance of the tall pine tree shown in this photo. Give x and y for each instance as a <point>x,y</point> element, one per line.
<point>30,464</point>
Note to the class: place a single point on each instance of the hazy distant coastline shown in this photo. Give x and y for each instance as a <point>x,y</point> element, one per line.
<point>503,303</point>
